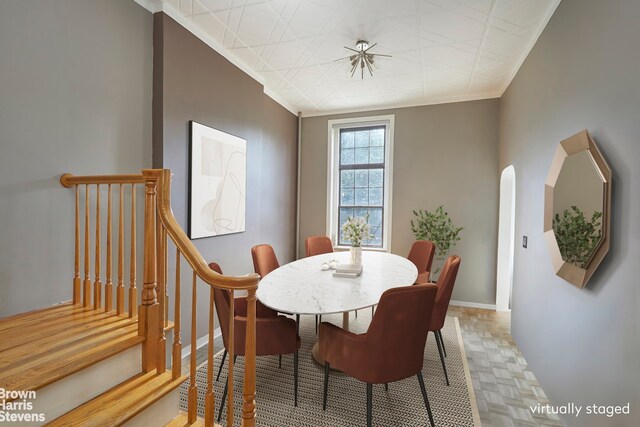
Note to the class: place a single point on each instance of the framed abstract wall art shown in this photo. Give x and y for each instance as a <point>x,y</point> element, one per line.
<point>217,182</point>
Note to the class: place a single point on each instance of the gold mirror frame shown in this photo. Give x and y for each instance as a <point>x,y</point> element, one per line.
<point>573,274</point>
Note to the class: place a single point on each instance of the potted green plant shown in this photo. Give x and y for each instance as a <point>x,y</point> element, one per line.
<point>356,230</point>
<point>437,227</point>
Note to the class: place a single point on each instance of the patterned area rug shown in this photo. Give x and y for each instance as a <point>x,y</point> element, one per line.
<point>402,405</point>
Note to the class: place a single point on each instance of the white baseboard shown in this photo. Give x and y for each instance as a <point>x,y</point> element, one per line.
<point>201,342</point>
<point>473,305</point>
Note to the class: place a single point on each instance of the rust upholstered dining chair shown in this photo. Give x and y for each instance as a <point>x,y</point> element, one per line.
<point>446,280</point>
<point>275,335</point>
<point>240,308</point>
<point>316,245</point>
<point>421,254</point>
<point>391,350</point>
<point>264,259</point>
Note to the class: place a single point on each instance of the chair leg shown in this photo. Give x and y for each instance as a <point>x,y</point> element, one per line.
<point>386,386</point>
<point>316,324</point>
<point>444,367</point>
<point>369,403</point>
<point>425,398</point>
<point>224,356</point>
<point>295,379</point>
<point>356,314</point>
<point>224,393</point>
<point>297,324</point>
<point>280,361</point>
<point>373,310</point>
<point>442,342</point>
<point>326,385</point>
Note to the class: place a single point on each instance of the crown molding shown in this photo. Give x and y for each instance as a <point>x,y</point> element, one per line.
<point>155,6</point>
<point>383,107</point>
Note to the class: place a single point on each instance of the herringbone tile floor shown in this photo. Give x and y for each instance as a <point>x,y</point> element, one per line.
<point>505,388</point>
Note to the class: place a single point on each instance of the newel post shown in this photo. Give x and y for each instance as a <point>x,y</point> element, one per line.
<point>249,392</point>
<point>149,309</point>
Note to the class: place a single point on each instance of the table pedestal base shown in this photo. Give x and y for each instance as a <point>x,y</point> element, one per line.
<point>315,352</point>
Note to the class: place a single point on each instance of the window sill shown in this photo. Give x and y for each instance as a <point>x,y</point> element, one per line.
<point>346,248</point>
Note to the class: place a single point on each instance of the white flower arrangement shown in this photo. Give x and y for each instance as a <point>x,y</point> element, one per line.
<point>357,229</point>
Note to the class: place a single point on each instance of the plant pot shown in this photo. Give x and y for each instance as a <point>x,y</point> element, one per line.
<point>356,255</point>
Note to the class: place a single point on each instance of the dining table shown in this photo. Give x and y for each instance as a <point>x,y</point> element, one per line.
<point>304,287</point>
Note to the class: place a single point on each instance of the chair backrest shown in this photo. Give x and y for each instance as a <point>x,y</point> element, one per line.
<point>421,254</point>
<point>397,335</point>
<point>264,259</point>
<point>445,288</point>
<point>223,305</point>
<point>316,245</point>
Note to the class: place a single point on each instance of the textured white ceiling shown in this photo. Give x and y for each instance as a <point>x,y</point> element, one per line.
<point>443,50</point>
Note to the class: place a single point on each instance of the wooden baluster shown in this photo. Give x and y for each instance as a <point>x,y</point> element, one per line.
<point>231,361</point>
<point>176,362</point>
<point>162,284</point>
<point>97,285</point>
<point>108,290</point>
<point>249,394</point>
<point>87,273</point>
<point>77,286</point>
<point>133,291</point>
<point>209,399</point>
<point>166,280</point>
<point>148,312</point>
<point>120,289</point>
<point>193,387</point>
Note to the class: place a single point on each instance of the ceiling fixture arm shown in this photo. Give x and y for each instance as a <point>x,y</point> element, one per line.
<point>362,58</point>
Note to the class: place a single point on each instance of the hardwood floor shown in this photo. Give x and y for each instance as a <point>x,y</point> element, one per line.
<point>503,384</point>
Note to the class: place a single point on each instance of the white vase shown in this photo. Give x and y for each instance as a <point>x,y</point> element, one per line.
<point>356,255</point>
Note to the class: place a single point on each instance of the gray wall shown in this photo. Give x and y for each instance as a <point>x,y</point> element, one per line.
<point>443,155</point>
<point>582,344</point>
<point>75,96</point>
<point>194,82</point>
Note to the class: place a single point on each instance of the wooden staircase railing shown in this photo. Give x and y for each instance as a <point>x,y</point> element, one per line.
<point>160,228</point>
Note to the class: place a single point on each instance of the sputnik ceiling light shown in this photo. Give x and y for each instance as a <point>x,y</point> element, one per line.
<point>361,58</point>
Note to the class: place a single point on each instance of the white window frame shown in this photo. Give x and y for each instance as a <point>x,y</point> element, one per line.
<point>333,169</point>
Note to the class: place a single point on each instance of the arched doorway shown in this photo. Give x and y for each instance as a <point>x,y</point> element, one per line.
<point>506,238</point>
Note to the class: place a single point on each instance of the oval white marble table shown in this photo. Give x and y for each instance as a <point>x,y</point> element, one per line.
<point>302,287</point>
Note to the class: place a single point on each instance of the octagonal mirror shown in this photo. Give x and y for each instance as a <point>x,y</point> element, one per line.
<point>577,208</point>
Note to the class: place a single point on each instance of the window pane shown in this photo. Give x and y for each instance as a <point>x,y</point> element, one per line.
<point>361,188</point>
<point>344,214</point>
<point>375,196</point>
<point>347,178</point>
<point>377,137</point>
<point>376,155</point>
<point>346,139</point>
<point>375,177</point>
<point>375,223</point>
<point>362,178</point>
<point>362,156</point>
<point>362,197</point>
<point>346,197</point>
<point>346,157</point>
<point>362,138</point>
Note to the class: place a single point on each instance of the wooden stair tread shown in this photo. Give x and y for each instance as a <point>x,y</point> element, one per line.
<point>67,340</point>
<point>182,420</point>
<point>121,403</point>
